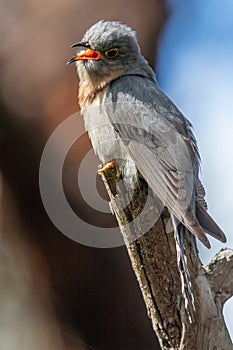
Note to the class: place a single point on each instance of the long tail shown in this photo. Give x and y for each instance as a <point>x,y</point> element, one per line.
<point>201,223</point>
<point>205,221</point>
<point>208,224</point>
<point>186,286</point>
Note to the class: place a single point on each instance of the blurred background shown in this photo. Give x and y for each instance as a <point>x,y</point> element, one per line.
<point>54,292</point>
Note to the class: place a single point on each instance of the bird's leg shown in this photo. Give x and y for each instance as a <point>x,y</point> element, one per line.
<point>112,174</point>
<point>105,166</point>
<point>110,166</point>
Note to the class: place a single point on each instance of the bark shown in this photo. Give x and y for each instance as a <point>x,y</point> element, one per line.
<point>154,260</point>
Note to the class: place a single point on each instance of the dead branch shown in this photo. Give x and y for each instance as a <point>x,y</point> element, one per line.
<point>154,261</point>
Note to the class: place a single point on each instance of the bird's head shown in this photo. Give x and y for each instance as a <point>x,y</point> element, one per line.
<point>109,48</point>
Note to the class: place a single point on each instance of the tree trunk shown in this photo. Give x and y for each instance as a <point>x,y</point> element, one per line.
<point>154,260</point>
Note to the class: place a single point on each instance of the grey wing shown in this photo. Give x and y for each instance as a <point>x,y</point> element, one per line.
<point>160,142</point>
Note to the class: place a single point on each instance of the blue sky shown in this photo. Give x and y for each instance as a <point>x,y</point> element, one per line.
<point>195,69</point>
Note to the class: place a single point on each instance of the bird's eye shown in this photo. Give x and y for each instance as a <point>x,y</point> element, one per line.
<point>112,53</point>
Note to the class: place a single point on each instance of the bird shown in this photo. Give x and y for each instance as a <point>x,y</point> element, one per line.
<point>136,128</point>
<point>131,122</point>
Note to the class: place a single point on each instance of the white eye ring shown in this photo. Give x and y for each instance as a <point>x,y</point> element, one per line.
<point>112,53</point>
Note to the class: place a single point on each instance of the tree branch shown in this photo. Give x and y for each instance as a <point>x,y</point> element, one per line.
<point>154,260</point>
<point>220,274</point>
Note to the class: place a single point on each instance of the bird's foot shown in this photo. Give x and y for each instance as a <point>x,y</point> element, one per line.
<point>112,167</point>
<point>111,172</point>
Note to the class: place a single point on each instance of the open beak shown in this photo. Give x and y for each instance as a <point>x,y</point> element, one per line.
<point>88,54</point>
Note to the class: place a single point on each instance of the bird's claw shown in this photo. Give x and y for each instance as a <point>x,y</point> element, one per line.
<point>110,166</point>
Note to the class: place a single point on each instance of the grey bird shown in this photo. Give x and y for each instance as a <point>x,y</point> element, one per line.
<point>132,122</point>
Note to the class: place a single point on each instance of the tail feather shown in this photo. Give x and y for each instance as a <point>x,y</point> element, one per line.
<point>186,286</point>
<point>198,224</point>
<point>208,224</point>
<point>191,222</point>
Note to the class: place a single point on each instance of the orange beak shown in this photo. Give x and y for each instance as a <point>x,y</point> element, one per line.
<point>86,55</point>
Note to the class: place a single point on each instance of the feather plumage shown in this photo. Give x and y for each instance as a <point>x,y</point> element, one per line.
<point>131,121</point>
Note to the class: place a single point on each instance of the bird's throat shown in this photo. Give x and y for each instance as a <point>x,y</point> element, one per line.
<point>90,86</point>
